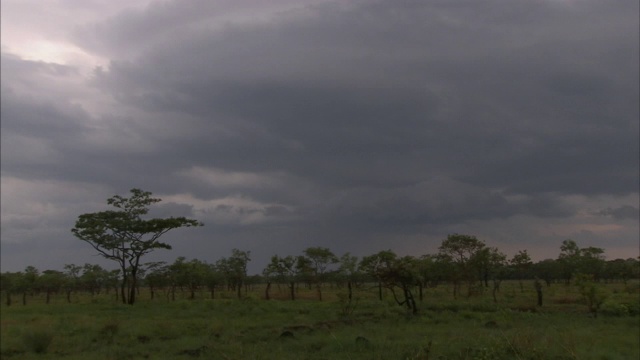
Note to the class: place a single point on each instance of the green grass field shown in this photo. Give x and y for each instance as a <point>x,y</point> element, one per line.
<point>253,328</point>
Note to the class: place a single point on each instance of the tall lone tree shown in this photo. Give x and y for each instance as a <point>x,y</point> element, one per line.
<point>123,236</point>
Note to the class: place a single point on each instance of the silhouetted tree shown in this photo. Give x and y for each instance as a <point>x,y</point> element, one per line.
<point>125,237</point>
<point>461,250</point>
<point>317,261</point>
<point>521,263</point>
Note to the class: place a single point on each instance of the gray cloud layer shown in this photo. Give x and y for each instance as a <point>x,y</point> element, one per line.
<point>335,124</point>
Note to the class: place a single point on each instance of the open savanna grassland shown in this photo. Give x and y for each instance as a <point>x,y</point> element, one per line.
<point>253,328</point>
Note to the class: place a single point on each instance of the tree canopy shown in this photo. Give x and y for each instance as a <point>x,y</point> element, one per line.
<point>123,236</point>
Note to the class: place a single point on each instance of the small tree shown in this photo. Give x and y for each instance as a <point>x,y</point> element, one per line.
<point>283,270</point>
<point>234,269</point>
<point>521,263</point>
<point>319,259</point>
<point>29,282</point>
<point>619,269</point>
<point>548,270</point>
<point>5,286</point>
<point>425,266</point>
<point>569,259</point>
<point>156,276</point>
<point>488,262</point>
<point>393,272</point>
<point>213,279</point>
<point>592,262</point>
<point>11,283</point>
<point>72,279</point>
<point>93,278</point>
<point>348,270</point>
<point>404,275</point>
<point>50,281</point>
<point>376,264</point>
<point>191,275</point>
<point>125,237</point>
<point>574,260</point>
<point>443,270</point>
<point>461,250</point>
<point>593,294</point>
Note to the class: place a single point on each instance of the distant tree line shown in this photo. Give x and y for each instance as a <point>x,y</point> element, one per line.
<point>125,235</point>
<point>463,262</point>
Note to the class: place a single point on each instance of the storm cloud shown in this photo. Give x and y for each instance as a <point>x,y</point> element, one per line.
<point>369,124</point>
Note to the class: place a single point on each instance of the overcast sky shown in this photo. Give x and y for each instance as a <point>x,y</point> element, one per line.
<point>354,125</point>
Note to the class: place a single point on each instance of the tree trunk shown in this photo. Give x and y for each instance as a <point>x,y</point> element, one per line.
<point>24,298</point>
<point>48,298</point>
<point>132,289</point>
<point>539,297</point>
<point>496,288</point>
<point>69,296</point>
<point>380,290</point>
<point>8,298</point>
<point>292,289</point>
<point>266,291</point>
<point>125,282</point>
<point>455,289</point>
<point>538,287</point>
<point>411,302</point>
<point>350,290</point>
<point>123,290</point>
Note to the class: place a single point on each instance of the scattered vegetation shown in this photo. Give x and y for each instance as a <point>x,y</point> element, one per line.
<point>468,301</point>
<point>101,327</point>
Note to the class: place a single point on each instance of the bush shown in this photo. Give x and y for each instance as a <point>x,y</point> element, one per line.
<point>633,307</point>
<point>612,308</point>
<point>593,294</point>
<point>37,341</point>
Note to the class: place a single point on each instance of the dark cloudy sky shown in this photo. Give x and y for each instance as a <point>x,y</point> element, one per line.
<point>354,125</point>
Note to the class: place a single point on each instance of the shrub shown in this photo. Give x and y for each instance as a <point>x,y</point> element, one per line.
<point>612,308</point>
<point>634,308</point>
<point>593,294</point>
<point>38,341</point>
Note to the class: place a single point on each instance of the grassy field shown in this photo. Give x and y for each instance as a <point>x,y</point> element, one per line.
<point>253,328</point>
